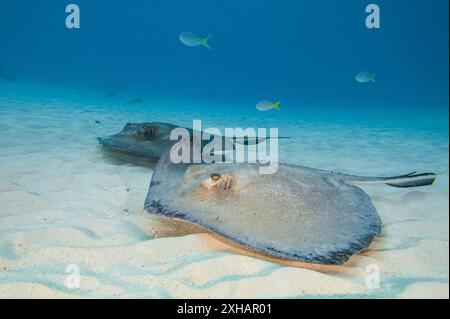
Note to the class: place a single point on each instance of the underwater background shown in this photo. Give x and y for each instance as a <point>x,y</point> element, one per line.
<point>305,53</point>
<point>63,201</point>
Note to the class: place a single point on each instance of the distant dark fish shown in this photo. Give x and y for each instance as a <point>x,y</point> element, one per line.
<point>111,94</point>
<point>98,122</point>
<point>6,76</point>
<point>136,101</point>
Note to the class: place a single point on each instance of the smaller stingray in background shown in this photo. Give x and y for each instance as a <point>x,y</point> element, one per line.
<point>151,140</point>
<point>137,100</point>
<point>267,106</point>
<point>298,213</point>
<point>192,40</point>
<point>365,77</point>
<point>6,76</point>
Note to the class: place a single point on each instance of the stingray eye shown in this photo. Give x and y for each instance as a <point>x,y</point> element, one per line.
<point>217,182</point>
<point>148,131</point>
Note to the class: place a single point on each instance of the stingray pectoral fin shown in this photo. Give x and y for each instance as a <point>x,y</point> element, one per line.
<point>402,181</point>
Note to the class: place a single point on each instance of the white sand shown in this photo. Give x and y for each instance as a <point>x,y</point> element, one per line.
<point>63,202</point>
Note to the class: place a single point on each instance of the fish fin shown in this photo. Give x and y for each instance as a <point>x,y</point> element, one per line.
<point>372,78</point>
<point>205,41</point>
<point>276,106</point>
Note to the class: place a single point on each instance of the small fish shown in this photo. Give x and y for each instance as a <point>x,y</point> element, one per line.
<point>365,77</point>
<point>111,94</point>
<point>136,101</point>
<point>98,122</point>
<point>6,76</point>
<point>267,106</point>
<point>192,40</point>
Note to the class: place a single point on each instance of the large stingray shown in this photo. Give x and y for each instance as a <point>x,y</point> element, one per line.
<point>151,140</point>
<point>298,213</point>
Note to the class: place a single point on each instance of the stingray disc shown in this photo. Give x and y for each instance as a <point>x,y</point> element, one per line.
<point>297,213</point>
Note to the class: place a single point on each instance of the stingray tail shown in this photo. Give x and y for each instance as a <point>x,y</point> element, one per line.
<point>403,181</point>
<point>255,141</point>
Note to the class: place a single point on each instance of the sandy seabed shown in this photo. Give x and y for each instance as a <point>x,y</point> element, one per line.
<point>63,201</point>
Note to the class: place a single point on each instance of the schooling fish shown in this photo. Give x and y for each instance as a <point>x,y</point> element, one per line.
<point>365,77</point>
<point>267,106</point>
<point>192,40</point>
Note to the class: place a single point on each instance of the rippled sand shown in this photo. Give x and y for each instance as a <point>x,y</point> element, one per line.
<point>63,201</point>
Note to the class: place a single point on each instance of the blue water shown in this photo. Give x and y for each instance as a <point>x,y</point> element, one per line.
<point>305,53</point>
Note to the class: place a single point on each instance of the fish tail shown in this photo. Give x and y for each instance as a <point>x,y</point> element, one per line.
<point>372,78</point>
<point>276,106</point>
<point>205,41</point>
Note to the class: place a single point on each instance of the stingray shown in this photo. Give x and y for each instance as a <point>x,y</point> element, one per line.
<point>298,213</point>
<point>6,76</point>
<point>151,140</point>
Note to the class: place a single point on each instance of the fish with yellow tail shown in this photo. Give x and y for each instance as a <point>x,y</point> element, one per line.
<point>267,106</point>
<point>191,40</point>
